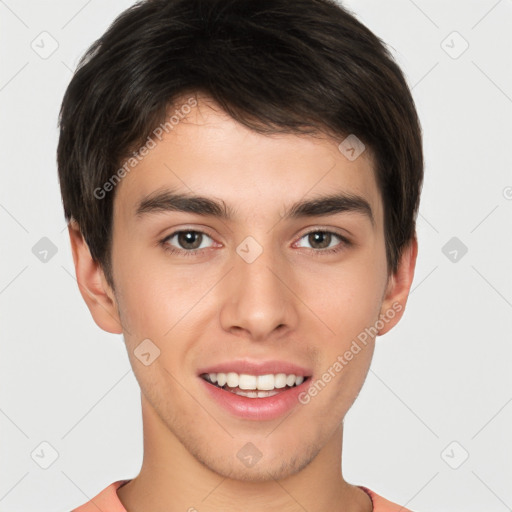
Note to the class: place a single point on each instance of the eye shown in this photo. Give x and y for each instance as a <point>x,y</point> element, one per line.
<point>322,240</point>
<point>187,241</point>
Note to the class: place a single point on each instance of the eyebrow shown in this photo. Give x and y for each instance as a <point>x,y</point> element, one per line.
<point>168,200</point>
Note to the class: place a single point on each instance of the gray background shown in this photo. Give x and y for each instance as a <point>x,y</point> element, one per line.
<point>439,389</point>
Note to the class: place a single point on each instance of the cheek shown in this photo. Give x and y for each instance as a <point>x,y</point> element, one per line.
<point>348,310</point>
<point>346,298</point>
<point>156,298</point>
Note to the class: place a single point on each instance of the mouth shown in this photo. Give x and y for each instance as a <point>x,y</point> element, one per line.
<point>254,386</point>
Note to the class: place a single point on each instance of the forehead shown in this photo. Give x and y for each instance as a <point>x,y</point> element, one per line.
<point>203,151</point>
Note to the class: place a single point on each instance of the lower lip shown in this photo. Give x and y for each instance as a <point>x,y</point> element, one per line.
<point>267,408</point>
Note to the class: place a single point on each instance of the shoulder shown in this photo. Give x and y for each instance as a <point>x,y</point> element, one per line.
<point>107,500</point>
<point>381,504</point>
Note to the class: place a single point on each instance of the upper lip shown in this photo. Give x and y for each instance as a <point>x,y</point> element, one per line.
<point>254,367</point>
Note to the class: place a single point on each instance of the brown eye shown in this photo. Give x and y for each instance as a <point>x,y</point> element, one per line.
<point>188,240</point>
<point>320,240</point>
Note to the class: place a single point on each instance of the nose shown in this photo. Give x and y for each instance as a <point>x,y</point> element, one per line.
<point>259,301</point>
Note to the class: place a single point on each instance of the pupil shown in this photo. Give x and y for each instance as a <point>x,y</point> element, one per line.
<point>320,237</point>
<point>189,239</point>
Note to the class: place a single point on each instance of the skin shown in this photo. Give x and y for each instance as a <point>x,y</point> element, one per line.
<point>292,303</point>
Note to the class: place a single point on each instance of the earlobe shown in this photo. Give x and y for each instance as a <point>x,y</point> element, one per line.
<point>398,287</point>
<point>92,284</point>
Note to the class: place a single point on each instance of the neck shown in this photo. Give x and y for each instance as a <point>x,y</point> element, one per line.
<point>172,479</point>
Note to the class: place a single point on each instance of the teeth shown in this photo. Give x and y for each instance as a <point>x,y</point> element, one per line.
<point>261,383</point>
<point>266,382</point>
<point>247,381</point>
<point>254,394</point>
<point>280,380</point>
<point>290,380</point>
<point>232,379</point>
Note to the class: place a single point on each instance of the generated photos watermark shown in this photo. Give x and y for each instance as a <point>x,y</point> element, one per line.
<point>343,359</point>
<point>144,150</point>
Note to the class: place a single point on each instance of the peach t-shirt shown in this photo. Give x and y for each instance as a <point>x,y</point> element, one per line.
<point>108,501</point>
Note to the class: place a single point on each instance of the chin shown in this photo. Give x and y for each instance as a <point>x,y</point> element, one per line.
<point>265,468</point>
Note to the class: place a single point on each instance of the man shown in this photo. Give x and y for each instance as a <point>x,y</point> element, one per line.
<point>241,180</point>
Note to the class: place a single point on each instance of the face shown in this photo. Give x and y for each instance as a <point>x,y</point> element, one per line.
<point>271,279</point>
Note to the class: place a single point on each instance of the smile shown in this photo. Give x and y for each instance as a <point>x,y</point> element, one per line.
<point>254,386</point>
<point>255,397</point>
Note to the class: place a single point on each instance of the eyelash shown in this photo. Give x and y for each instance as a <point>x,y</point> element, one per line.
<point>345,242</point>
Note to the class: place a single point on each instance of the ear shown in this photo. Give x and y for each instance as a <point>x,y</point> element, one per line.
<point>92,284</point>
<point>398,287</point>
